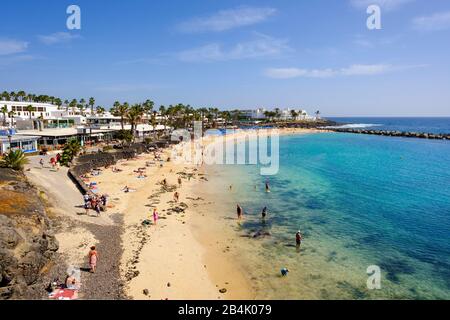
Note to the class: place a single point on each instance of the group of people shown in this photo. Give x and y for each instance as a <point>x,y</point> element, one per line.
<point>264,213</point>
<point>54,162</point>
<point>96,203</point>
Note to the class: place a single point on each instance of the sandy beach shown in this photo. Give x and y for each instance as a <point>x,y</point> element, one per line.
<point>189,254</point>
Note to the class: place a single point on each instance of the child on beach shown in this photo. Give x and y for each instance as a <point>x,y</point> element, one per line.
<point>155,216</point>
<point>93,257</point>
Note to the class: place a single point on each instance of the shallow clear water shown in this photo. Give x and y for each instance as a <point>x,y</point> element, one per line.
<point>359,201</point>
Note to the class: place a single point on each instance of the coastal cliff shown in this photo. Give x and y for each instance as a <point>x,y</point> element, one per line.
<point>27,243</point>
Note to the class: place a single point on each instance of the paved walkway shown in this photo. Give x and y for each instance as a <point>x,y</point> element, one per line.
<point>63,194</point>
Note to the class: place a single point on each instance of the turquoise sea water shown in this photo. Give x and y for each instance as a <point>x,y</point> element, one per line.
<point>359,201</point>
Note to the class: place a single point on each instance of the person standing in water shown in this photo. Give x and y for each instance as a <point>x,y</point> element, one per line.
<point>298,238</point>
<point>267,186</point>
<point>264,213</point>
<point>239,212</point>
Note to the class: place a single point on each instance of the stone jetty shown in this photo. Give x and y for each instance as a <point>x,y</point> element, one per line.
<point>419,135</point>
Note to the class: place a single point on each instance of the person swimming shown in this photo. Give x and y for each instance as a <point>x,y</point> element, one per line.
<point>298,238</point>
<point>267,186</point>
<point>264,213</point>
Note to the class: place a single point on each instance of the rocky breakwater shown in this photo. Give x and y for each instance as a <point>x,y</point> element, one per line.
<point>419,135</point>
<point>27,244</point>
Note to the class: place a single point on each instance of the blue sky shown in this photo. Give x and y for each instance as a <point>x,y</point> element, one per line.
<point>234,54</point>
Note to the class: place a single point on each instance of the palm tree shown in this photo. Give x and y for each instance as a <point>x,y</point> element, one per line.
<point>30,109</point>
<point>91,104</point>
<point>21,95</point>
<point>134,116</point>
<point>81,107</point>
<point>70,151</point>
<point>154,123</point>
<point>5,96</point>
<point>120,110</point>
<point>100,110</point>
<point>317,115</point>
<point>14,159</point>
<point>11,115</point>
<point>236,114</point>
<point>66,104</point>
<point>58,102</point>
<point>4,110</point>
<point>73,104</point>
<point>163,114</point>
<point>148,108</point>
<point>294,115</point>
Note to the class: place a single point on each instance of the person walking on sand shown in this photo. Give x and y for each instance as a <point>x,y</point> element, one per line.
<point>179,182</point>
<point>93,258</point>
<point>41,162</point>
<point>155,216</point>
<point>176,196</point>
<point>239,212</point>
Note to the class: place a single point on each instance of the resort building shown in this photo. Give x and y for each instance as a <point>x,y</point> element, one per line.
<point>286,114</point>
<point>9,140</point>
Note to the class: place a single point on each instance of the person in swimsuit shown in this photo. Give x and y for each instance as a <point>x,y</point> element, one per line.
<point>176,196</point>
<point>298,238</point>
<point>93,257</point>
<point>179,182</point>
<point>239,212</point>
<point>155,216</point>
<point>267,186</point>
<point>264,213</point>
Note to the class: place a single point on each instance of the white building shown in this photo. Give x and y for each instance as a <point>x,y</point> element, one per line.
<point>286,114</point>
<point>17,110</point>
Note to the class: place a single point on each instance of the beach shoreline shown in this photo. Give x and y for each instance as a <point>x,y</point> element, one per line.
<point>188,254</point>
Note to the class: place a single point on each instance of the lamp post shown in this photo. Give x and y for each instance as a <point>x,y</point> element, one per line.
<point>10,141</point>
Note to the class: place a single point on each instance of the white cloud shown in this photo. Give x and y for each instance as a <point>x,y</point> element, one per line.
<point>228,19</point>
<point>263,46</point>
<point>12,46</point>
<point>365,69</point>
<point>58,37</point>
<point>353,70</point>
<point>385,4</point>
<point>435,22</point>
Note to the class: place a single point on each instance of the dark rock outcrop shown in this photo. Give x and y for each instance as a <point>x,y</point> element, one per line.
<point>27,244</point>
<point>388,133</point>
